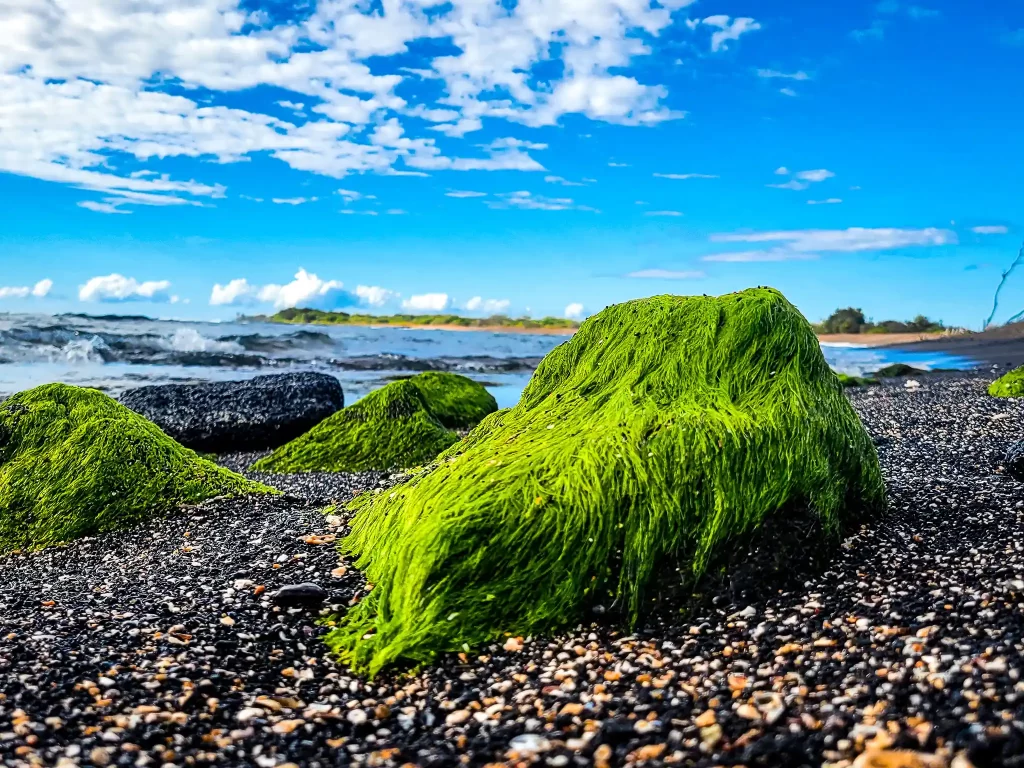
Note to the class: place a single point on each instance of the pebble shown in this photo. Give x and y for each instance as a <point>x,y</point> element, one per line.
<point>907,641</point>
<point>299,595</point>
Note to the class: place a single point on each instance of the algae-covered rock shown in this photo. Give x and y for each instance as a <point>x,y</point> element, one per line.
<point>74,462</point>
<point>659,437</point>
<point>390,428</point>
<point>897,370</point>
<point>1009,384</point>
<point>856,381</point>
<point>456,401</point>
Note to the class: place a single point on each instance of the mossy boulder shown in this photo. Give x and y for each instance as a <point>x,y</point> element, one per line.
<point>456,401</point>
<point>1009,384</point>
<point>665,432</point>
<point>856,381</point>
<point>897,370</point>
<point>74,462</point>
<point>390,428</point>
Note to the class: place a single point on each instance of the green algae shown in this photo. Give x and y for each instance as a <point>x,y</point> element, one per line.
<point>1009,384</point>
<point>664,430</point>
<point>856,381</point>
<point>74,462</point>
<point>456,401</point>
<point>390,428</point>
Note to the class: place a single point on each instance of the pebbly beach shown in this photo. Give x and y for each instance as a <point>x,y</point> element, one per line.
<point>197,637</point>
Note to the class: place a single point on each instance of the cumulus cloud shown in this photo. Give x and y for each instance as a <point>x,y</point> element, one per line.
<point>802,179</point>
<point>995,229</point>
<point>84,93</point>
<point>808,243</point>
<point>574,311</point>
<point>292,200</point>
<point>237,291</point>
<point>39,290</point>
<point>374,295</point>
<point>305,290</point>
<point>666,274</point>
<point>116,287</point>
<point>774,73</point>
<point>426,302</point>
<point>490,306</point>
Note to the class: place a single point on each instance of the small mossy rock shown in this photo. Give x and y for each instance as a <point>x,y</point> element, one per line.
<point>74,462</point>
<point>664,432</point>
<point>897,370</point>
<point>856,381</point>
<point>1009,384</point>
<point>390,428</point>
<point>456,401</point>
<point>251,415</point>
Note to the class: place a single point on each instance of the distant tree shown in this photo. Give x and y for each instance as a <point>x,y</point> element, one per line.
<point>848,320</point>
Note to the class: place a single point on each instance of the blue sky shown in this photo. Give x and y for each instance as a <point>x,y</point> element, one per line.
<point>200,158</point>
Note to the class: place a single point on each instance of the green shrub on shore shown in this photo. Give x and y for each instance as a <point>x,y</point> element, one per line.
<point>390,428</point>
<point>74,462</point>
<point>1009,384</point>
<point>456,401</point>
<point>666,430</point>
<point>302,316</point>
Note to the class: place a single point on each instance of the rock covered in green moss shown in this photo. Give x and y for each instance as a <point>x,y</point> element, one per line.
<point>856,381</point>
<point>665,431</point>
<point>456,401</point>
<point>74,462</point>
<point>390,428</point>
<point>1009,384</point>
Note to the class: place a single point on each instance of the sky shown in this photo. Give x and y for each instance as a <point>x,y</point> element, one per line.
<point>205,158</point>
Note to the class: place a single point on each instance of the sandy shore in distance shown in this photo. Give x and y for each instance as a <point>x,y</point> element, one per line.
<point>877,339</point>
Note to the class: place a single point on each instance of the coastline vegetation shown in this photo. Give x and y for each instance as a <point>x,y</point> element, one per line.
<point>657,438</point>
<point>852,320</point>
<point>299,316</point>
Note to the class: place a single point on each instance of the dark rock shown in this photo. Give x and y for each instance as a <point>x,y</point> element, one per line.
<point>299,595</point>
<point>1014,461</point>
<point>217,417</point>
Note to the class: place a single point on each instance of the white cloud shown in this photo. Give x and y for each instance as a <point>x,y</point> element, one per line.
<point>306,290</point>
<point>350,195</point>
<point>116,287</point>
<point>996,229</point>
<point>618,165</point>
<point>98,207</point>
<point>529,201</point>
<point>818,175</point>
<point>791,184</point>
<point>236,291</point>
<point>563,182</point>
<point>574,311</point>
<point>729,29</point>
<point>827,201</point>
<point>773,254</point>
<point>464,193</point>
<point>426,302</point>
<point>663,213</point>
<point>782,171</point>
<point>774,73</point>
<point>787,92</point>
<point>683,176</point>
<point>39,290</point>
<point>293,200</point>
<point>807,243</point>
<point>395,212</point>
<point>489,306</point>
<point>666,274</point>
<point>350,212</point>
<point>374,295</point>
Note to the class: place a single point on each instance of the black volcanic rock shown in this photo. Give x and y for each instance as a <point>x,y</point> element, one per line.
<point>218,417</point>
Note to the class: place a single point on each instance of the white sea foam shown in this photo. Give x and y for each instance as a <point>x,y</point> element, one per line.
<point>190,340</point>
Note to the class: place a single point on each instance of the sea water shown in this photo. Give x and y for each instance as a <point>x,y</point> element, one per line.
<point>117,353</point>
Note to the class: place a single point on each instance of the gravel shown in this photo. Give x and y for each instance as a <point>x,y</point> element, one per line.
<point>162,645</point>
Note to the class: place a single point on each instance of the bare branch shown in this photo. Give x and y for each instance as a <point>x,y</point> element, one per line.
<point>995,299</point>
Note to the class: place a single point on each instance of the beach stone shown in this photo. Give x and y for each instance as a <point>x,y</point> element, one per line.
<point>259,413</point>
<point>299,595</point>
<point>1014,461</point>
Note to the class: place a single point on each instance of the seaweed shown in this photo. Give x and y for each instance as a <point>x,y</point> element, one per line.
<point>390,428</point>
<point>1009,384</point>
<point>74,462</point>
<point>456,401</point>
<point>664,432</point>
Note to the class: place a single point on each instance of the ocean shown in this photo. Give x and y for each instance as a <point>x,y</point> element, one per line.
<point>117,353</point>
